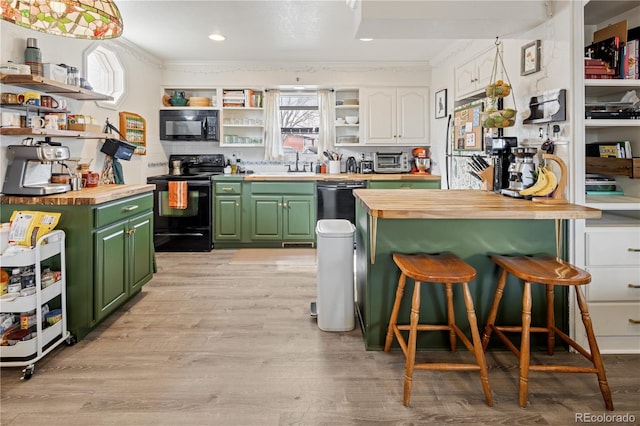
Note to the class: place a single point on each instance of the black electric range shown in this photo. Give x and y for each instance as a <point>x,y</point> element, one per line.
<point>186,227</point>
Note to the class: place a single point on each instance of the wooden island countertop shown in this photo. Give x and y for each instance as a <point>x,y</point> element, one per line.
<point>462,204</point>
<point>86,196</point>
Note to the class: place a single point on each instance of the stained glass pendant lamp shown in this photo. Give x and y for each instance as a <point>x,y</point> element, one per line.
<point>88,19</point>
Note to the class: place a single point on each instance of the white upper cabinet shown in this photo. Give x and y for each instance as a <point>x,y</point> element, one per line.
<point>395,115</point>
<point>472,77</point>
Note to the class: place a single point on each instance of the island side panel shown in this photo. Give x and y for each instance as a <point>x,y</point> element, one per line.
<point>77,222</point>
<point>472,240</point>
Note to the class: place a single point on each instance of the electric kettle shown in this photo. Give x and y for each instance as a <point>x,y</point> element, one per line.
<point>352,166</point>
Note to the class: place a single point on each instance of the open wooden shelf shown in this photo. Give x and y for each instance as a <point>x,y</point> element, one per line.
<point>614,166</point>
<point>52,87</point>
<point>22,131</point>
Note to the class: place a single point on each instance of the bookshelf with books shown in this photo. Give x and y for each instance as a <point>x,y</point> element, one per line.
<point>242,117</point>
<point>607,133</point>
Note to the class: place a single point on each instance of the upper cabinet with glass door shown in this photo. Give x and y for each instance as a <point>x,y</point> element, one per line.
<point>347,117</point>
<point>242,117</point>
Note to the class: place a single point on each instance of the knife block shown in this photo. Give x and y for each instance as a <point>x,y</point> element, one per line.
<point>487,178</point>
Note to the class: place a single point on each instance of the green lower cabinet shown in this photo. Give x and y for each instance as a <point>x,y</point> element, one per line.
<point>109,255</point>
<point>228,218</point>
<point>416,184</point>
<point>122,264</point>
<point>266,217</point>
<point>286,218</point>
<point>282,212</point>
<point>299,213</point>
<point>110,269</point>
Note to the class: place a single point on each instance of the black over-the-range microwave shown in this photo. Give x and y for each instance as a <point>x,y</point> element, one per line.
<point>189,125</point>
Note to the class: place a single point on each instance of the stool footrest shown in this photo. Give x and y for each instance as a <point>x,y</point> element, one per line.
<point>438,366</point>
<point>424,327</point>
<point>562,368</point>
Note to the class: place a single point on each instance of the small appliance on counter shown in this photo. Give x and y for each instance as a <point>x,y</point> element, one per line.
<point>352,165</point>
<point>366,167</point>
<point>421,160</point>
<point>29,170</point>
<point>521,171</point>
<point>391,162</point>
<point>500,151</point>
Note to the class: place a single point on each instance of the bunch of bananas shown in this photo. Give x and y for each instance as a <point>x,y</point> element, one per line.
<point>545,184</point>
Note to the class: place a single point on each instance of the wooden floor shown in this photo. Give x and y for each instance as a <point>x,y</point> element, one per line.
<point>212,341</point>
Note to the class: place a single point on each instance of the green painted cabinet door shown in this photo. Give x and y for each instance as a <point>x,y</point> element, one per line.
<point>299,214</point>
<point>228,218</point>
<point>123,261</point>
<point>110,281</point>
<point>266,217</point>
<point>140,254</point>
<point>419,184</point>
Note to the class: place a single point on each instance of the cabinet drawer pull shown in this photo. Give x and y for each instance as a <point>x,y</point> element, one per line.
<point>633,321</point>
<point>634,285</point>
<point>635,250</point>
<point>129,208</point>
<point>227,189</point>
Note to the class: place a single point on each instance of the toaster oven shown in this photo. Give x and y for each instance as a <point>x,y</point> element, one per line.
<point>391,162</point>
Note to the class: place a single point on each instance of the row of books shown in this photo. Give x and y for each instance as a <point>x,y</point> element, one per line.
<point>613,58</point>
<point>601,185</point>
<point>246,98</point>
<point>620,149</point>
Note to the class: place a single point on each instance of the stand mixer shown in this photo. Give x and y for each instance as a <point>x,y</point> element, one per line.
<point>421,160</point>
<point>29,169</point>
<point>521,171</point>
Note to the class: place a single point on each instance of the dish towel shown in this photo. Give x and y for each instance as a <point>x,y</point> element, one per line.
<point>178,194</point>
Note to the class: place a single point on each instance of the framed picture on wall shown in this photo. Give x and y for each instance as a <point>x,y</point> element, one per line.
<point>530,58</point>
<point>441,103</point>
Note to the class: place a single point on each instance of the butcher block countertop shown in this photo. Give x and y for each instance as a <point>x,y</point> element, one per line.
<point>86,196</point>
<point>256,177</point>
<point>462,204</point>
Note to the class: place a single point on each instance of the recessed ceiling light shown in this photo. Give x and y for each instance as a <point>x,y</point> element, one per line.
<point>366,39</point>
<point>217,37</point>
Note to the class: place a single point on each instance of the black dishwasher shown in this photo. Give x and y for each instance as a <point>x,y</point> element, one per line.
<point>335,199</point>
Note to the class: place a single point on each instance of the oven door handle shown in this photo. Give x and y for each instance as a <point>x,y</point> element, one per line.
<point>179,234</point>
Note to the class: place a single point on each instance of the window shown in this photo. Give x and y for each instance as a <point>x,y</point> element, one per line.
<point>105,73</point>
<point>300,120</point>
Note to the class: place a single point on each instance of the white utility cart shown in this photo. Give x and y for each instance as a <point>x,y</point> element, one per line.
<point>26,353</point>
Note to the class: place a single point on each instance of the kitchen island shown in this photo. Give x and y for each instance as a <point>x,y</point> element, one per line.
<point>468,223</point>
<point>109,253</point>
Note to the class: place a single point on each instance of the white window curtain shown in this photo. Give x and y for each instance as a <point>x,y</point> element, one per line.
<point>273,137</point>
<point>327,131</point>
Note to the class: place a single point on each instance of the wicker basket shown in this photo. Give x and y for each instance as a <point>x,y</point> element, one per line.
<point>498,119</point>
<point>498,90</point>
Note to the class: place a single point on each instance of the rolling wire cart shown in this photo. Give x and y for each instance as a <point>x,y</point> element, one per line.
<point>48,335</point>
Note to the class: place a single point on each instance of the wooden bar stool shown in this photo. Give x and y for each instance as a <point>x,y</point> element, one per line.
<point>447,269</point>
<point>549,271</point>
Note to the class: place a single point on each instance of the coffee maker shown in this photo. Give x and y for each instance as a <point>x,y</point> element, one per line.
<point>29,169</point>
<point>521,171</point>
<point>500,150</point>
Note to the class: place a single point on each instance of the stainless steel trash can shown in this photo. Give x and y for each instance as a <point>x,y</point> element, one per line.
<point>335,300</point>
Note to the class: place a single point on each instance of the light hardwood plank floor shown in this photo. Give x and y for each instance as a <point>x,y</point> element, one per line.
<point>213,342</point>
